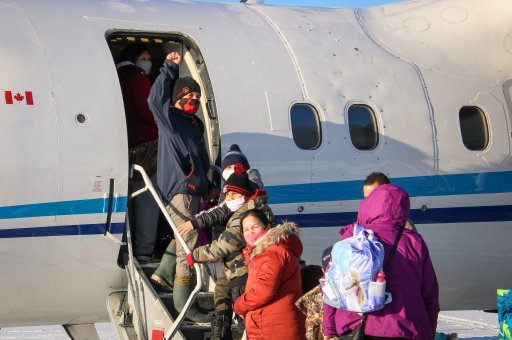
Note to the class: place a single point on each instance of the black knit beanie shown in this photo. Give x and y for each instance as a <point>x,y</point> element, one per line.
<point>239,182</point>
<point>184,86</point>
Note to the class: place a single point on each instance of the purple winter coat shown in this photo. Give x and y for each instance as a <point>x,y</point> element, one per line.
<point>410,278</point>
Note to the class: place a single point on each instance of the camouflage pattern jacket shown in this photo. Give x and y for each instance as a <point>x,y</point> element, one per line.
<point>228,247</point>
<point>310,304</point>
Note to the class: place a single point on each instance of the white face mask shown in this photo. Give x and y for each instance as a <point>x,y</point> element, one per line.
<point>226,173</point>
<point>145,65</point>
<point>235,204</point>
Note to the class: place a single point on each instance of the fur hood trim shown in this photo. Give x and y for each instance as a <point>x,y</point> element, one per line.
<point>274,236</point>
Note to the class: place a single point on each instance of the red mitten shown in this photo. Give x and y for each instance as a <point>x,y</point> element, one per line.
<point>190,259</point>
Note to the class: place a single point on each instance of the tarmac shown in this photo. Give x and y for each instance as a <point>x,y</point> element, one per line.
<point>472,325</point>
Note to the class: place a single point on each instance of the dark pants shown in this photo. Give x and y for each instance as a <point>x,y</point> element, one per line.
<point>144,218</point>
<point>226,293</point>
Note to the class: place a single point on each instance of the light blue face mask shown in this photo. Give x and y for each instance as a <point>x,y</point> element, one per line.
<point>145,65</point>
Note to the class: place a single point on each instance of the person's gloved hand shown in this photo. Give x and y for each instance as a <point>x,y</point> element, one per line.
<point>190,259</point>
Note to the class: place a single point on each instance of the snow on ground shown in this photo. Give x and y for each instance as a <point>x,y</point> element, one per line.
<point>475,325</point>
<point>470,325</point>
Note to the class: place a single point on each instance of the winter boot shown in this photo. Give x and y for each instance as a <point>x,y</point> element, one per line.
<point>181,292</point>
<point>221,326</point>
<point>164,275</point>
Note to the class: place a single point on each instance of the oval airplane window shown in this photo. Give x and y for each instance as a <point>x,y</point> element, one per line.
<point>473,128</point>
<point>363,127</point>
<point>305,126</point>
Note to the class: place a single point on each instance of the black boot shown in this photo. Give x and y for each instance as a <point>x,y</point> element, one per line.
<point>221,326</point>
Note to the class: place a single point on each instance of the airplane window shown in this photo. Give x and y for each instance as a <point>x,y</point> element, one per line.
<point>473,127</point>
<point>363,127</point>
<point>305,126</point>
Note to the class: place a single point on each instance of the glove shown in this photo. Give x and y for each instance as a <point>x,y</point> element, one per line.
<point>190,259</point>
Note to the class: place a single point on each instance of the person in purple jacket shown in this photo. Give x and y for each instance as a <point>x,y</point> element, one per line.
<point>410,278</point>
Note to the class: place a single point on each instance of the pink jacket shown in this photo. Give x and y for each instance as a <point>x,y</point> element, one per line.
<point>410,278</point>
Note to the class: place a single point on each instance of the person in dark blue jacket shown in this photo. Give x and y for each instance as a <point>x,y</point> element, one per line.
<point>182,163</point>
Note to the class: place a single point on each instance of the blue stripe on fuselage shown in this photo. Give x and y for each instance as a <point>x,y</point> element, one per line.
<point>62,230</point>
<point>440,185</point>
<point>430,216</point>
<point>78,207</point>
<point>498,213</point>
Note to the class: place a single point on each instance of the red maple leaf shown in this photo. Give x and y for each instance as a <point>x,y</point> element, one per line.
<point>19,97</point>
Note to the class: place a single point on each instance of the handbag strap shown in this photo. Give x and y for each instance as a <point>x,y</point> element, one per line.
<point>393,249</point>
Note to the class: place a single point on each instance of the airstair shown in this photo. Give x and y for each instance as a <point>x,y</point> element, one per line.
<point>144,313</point>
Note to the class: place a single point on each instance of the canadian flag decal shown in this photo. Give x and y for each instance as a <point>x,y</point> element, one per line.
<point>18,97</point>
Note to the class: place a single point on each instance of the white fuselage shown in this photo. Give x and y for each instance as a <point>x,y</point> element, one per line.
<point>413,64</point>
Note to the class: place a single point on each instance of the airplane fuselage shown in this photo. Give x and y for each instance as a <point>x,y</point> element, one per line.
<point>316,98</point>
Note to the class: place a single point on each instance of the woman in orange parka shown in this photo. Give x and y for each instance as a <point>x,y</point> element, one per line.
<point>274,282</point>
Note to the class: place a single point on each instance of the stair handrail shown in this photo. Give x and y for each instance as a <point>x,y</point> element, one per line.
<point>199,279</point>
<point>141,329</point>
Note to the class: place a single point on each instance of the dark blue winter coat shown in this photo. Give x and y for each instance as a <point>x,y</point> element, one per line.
<point>182,157</point>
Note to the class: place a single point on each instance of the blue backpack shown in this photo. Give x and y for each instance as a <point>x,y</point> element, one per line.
<point>349,282</point>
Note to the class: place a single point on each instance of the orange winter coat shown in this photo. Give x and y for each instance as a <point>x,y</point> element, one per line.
<point>273,286</point>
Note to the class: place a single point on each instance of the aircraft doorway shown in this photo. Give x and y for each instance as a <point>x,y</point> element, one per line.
<point>146,218</point>
<point>158,46</point>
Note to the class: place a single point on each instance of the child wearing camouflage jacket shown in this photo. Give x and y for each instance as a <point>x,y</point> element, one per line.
<point>227,248</point>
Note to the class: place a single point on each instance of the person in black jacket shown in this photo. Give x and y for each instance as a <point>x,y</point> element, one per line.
<point>183,163</point>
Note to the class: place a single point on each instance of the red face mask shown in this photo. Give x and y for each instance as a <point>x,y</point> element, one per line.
<point>189,105</point>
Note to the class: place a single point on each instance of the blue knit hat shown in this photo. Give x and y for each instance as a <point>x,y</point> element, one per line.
<point>234,156</point>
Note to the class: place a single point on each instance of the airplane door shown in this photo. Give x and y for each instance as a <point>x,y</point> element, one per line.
<point>28,126</point>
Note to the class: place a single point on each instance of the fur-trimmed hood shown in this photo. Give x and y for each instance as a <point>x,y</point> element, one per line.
<point>286,234</point>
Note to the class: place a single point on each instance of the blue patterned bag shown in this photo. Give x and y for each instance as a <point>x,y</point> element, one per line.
<point>349,282</point>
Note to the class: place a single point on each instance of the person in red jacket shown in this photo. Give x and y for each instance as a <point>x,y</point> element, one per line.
<point>274,279</point>
<point>133,67</point>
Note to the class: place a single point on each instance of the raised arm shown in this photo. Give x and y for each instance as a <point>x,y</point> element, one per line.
<point>159,98</point>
